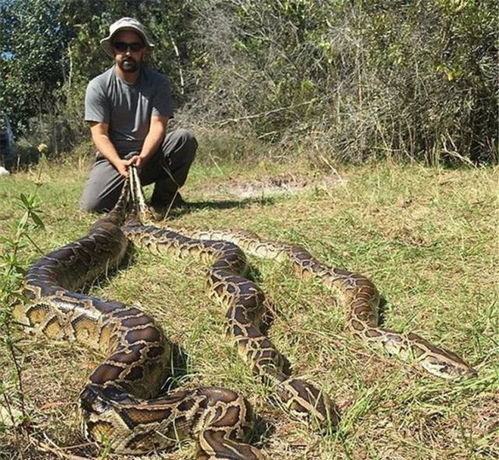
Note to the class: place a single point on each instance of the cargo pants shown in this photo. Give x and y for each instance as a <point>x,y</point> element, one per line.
<point>167,169</point>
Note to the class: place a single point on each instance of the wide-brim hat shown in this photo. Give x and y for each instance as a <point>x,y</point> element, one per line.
<point>125,24</point>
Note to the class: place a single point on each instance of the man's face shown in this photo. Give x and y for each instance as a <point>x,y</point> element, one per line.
<point>129,51</point>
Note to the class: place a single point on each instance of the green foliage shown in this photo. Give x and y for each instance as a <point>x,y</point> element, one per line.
<point>394,78</point>
<point>434,59</point>
<point>36,64</point>
<point>12,266</point>
<point>11,261</point>
<point>355,80</point>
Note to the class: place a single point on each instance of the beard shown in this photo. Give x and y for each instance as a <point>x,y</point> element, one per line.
<point>129,65</point>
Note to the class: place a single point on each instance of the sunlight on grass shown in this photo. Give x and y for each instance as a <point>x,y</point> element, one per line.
<point>425,236</point>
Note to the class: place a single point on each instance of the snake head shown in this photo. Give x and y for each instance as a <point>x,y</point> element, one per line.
<point>437,360</point>
<point>307,404</point>
<point>93,401</point>
<point>98,399</point>
<point>447,365</point>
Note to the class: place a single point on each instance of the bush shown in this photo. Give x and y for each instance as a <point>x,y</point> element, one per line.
<point>369,79</point>
<point>403,79</point>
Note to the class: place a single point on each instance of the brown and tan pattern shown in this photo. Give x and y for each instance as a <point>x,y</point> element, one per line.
<point>119,403</point>
<point>360,297</point>
<point>246,310</point>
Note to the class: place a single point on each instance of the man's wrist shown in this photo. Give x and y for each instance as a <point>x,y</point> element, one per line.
<point>143,158</point>
<point>116,162</point>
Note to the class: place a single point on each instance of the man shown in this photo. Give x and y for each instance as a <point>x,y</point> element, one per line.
<point>128,108</point>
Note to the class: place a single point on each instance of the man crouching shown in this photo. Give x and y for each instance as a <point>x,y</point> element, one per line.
<point>128,108</point>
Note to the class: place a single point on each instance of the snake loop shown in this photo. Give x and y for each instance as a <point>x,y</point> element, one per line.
<point>120,404</point>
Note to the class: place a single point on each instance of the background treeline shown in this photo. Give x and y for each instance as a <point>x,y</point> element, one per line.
<point>345,79</point>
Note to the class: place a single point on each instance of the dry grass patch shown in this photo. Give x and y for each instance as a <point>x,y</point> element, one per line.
<point>427,239</point>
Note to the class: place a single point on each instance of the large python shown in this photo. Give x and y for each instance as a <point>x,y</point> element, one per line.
<point>115,402</point>
<point>244,301</point>
<point>119,403</point>
<point>357,293</point>
<point>360,297</point>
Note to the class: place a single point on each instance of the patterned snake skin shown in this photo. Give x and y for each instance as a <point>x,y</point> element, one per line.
<point>246,312</point>
<point>119,403</point>
<point>360,297</point>
<point>245,304</point>
<point>357,293</point>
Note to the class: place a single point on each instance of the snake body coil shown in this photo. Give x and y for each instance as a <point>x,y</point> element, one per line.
<point>119,403</point>
<point>244,301</point>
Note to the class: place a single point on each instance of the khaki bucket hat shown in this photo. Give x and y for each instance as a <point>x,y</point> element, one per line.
<point>125,24</point>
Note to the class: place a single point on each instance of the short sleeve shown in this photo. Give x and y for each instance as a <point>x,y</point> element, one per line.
<point>96,104</point>
<point>162,103</point>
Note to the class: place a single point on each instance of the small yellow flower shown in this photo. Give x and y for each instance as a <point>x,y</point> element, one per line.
<point>43,148</point>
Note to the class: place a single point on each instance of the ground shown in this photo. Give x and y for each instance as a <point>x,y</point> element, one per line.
<point>427,237</point>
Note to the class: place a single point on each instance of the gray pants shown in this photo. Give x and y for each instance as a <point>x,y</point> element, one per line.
<point>167,169</point>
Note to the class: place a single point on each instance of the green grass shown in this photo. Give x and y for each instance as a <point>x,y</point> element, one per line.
<point>427,237</point>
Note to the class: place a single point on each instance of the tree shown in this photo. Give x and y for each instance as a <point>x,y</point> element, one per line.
<point>33,60</point>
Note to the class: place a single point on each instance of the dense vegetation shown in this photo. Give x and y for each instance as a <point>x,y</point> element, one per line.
<point>350,79</point>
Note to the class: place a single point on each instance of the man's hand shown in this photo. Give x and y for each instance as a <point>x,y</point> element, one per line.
<point>123,165</point>
<point>104,145</point>
<point>138,161</point>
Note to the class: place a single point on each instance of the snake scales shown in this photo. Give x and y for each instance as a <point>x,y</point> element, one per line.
<point>119,403</point>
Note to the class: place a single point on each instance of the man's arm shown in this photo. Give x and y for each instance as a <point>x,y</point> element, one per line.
<point>106,148</point>
<point>157,131</point>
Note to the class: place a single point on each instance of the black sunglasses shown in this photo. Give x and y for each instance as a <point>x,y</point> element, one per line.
<point>122,46</point>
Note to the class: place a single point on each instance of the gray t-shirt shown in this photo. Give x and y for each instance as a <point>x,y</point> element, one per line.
<point>128,108</point>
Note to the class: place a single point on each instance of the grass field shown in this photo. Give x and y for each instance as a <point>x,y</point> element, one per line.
<point>427,237</point>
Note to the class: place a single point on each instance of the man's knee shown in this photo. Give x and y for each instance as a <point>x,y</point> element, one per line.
<point>187,137</point>
<point>186,143</point>
<point>90,202</point>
